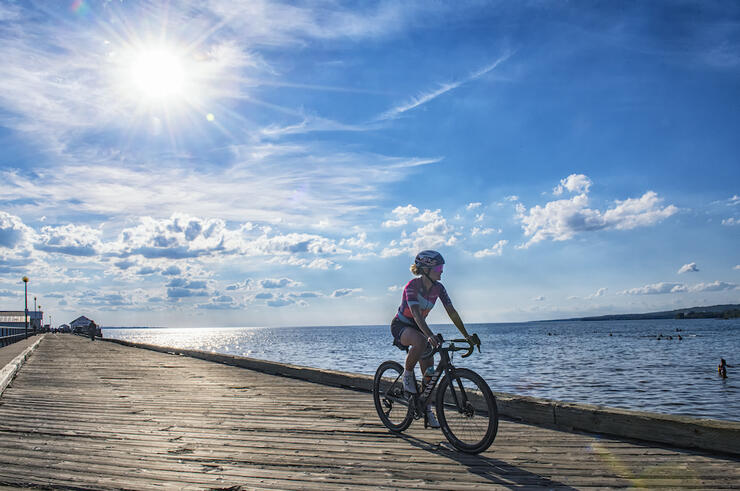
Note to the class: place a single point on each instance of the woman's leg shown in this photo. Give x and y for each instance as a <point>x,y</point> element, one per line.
<point>417,344</point>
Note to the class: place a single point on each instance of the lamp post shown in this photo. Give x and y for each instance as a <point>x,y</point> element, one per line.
<point>34,329</point>
<point>25,288</point>
<point>35,312</point>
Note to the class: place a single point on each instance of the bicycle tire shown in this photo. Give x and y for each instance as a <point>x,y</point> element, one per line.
<point>390,401</point>
<point>469,418</point>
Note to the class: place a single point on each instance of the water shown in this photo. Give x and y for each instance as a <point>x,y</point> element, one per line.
<point>612,363</point>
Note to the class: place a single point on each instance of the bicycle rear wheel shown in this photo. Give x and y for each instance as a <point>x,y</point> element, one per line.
<point>390,402</point>
<point>467,412</point>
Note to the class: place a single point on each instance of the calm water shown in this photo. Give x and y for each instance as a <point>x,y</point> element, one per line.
<point>613,363</point>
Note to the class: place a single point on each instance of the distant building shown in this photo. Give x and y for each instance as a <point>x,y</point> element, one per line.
<point>14,318</point>
<point>80,324</point>
<point>65,328</point>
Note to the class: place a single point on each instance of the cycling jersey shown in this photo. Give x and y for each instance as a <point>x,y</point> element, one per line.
<point>413,295</point>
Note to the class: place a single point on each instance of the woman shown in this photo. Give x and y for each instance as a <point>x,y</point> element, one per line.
<point>409,327</point>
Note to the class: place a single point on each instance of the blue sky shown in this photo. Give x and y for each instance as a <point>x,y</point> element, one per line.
<point>244,163</point>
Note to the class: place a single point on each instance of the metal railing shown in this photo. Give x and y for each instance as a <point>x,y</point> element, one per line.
<point>10,335</point>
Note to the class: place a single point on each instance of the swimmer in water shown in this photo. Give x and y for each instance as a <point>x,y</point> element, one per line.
<point>722,368</point>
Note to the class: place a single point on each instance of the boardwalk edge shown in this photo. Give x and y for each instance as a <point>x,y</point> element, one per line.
<point>7,373</point>
<point>679,431</point>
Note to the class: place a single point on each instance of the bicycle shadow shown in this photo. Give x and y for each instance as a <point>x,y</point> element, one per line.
<point>496,471</point>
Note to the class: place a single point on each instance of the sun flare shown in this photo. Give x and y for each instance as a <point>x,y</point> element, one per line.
<point>158,74</point>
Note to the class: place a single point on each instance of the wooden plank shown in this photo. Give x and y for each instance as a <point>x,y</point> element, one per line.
<point>161,420</point>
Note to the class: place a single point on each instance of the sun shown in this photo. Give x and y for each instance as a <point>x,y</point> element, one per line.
<point>158,74</point>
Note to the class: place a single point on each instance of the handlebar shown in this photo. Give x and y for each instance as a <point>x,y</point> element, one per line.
<point>472,342</point>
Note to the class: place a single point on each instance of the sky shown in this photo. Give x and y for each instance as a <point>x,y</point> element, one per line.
<point>270,163</point>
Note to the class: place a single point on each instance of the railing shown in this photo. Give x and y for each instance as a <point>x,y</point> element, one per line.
<point>10,335</point>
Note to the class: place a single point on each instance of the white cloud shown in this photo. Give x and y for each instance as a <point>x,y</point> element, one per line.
<point>435,232</point>
<point>599,293</point>
<point>715,286</point>
<point>73,240</point>
<point>574,183</point>
<point>278,283</point>
<point>343,292</point>
<point>424,97</point>
<point>731,221</point>
<point>473,206</point>
<point>656,289</point>
<point>403,214</point>
<point>13,231</point>
<point>475,231</point>
<point>562,219</point>
<point>688,268</point>
<point>736,267</point>
<point>539,298</point>
<point>496,250</point>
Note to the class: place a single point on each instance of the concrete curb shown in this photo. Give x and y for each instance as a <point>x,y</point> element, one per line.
<point>679,431</point>
<point>7,373</point>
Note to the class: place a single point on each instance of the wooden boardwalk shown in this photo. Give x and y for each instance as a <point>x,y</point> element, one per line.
<point>85,414</point>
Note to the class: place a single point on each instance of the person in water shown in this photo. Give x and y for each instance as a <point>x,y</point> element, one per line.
<point>722,368</point>
<point>409,327</point>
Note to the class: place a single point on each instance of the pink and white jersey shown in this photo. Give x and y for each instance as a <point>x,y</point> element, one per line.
<point>412,295</point>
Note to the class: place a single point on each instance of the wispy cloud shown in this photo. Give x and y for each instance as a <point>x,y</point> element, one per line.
<point>424,97</point>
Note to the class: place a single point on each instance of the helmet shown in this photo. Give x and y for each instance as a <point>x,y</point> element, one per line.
<point>428,259</point>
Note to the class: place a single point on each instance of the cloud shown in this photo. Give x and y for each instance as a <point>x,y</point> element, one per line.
<point>715,286</point>
<point>656,289</point>
<point>403,214</point>
<point>472,206</point>
<point>539,299</point>
<point>343,292</point>
<point>280,302</point>
<point>181,292</point>
<point>731,221</point>
<point>263,296</point>
<point>73,240</point>
<point>736,267</point>
<point>574,183</point>
<point>598,293</point>
<point>13,231</point>
<point>496,250</point>
<point>277,283</point>
<point>424,97</point>
<point>172,271</point>
<point>688,268</point>
<point>562,219</point>
<point>434,232</point>
<point>482,231</point>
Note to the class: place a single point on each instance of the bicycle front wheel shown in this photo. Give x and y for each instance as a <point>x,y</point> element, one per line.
<point>467,412</point>
<point>390,401</point>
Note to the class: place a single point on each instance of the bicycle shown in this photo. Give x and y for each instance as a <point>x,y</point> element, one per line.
<point>466,407</point>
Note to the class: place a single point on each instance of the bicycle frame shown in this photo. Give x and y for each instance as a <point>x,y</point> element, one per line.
<point>445,366</point>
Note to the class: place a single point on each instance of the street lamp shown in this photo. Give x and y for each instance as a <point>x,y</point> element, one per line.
<point>34,328</point>
<point>25,288</point>
<point>35,312</point>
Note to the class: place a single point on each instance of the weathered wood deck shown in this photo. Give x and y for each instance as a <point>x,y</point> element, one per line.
<point>88,414</point>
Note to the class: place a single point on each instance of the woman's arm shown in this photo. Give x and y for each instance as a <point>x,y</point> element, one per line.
<point>423,325</point>
<point>455,318</point>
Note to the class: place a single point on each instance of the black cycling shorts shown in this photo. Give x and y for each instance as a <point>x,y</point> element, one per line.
<point>397,328</point>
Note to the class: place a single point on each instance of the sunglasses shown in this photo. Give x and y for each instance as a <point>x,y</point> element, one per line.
<point>438,269</point>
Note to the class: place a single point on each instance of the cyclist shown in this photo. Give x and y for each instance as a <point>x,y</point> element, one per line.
<point>409,328</point>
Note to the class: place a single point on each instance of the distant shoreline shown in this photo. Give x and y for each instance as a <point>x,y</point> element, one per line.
<point>728,311</point>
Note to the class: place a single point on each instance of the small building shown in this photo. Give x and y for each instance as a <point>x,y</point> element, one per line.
<point>81,324</point>
<point>15,318</point>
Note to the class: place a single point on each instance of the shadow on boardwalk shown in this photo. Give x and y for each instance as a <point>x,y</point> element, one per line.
<point>495,471</point>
